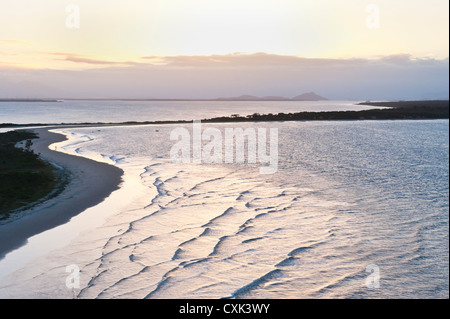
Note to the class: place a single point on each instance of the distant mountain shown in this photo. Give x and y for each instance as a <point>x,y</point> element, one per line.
<point>241,98</point>
<point>275,98</point>
<point>311,96</point>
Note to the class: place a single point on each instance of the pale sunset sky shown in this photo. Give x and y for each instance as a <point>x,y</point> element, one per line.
<point>347,49</point>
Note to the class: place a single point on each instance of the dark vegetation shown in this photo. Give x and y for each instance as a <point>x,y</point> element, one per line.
<point>24,177</point>
<point>392,111</point>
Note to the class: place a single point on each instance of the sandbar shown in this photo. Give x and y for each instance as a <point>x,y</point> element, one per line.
<point>90,182</point>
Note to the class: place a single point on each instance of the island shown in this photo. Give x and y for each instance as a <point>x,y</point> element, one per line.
<point>310,96</point>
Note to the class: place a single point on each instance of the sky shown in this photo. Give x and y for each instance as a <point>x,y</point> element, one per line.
<point>347,49</point>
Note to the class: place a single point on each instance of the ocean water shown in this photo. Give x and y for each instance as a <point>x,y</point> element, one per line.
<point>356,209</point>
<point>122,111</point>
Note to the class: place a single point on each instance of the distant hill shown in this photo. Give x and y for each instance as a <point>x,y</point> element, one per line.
<point>241,98</point>
<point>28,100</point>
<point>311,96</point>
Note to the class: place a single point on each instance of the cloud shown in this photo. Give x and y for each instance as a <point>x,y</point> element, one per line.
<point>248,60</point>
<point>399,59</point>
<point>264,60</point>
<point>387,77</point>
<point>77,58</point>
<point>15,42</point>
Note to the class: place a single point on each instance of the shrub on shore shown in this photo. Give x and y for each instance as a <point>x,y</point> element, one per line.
<point>24,177</point>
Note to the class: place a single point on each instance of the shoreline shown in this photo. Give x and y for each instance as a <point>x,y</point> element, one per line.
<point>89,184</point>
<point>403,110</point>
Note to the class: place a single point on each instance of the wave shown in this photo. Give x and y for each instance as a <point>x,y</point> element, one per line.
<point>217,231</point>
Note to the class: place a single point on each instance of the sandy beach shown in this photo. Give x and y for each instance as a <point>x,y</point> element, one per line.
<point>90,182</point>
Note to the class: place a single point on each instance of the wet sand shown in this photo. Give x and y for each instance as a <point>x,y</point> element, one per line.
<point>90,182</point>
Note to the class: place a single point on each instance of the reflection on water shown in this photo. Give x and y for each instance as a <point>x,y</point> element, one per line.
<point>347,195</point>
<point>123,111</point>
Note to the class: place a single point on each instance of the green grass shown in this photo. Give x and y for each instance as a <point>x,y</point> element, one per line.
<point>24,177</point>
